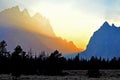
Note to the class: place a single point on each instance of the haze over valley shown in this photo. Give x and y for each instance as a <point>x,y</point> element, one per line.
<point>36,33</point>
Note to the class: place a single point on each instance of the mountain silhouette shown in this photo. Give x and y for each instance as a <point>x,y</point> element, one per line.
<point>21,19</point>
<point>104,43</point>
<point>31,32</point>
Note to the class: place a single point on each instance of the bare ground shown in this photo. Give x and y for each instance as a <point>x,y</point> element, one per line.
<point>73,75</point>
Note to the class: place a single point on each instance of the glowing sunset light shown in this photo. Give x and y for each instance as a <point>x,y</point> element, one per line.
<point>74,20</point>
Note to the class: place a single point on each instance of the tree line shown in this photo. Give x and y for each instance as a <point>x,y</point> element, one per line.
<point>20,62</point>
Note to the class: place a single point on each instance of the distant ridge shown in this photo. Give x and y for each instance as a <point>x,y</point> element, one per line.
<point>16,18</point>
<point>36,33</point>
<point>104,43</point>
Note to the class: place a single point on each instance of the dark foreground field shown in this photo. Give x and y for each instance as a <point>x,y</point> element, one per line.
<point>72,75</point>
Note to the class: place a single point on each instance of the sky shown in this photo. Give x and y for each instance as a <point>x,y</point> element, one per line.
<point>74,20</point>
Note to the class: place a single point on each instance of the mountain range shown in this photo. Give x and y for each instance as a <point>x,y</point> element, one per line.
<point>104,43</point>
<point>31,32</point>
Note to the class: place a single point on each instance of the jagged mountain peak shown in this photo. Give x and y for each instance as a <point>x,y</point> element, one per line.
<point>17,27</point>
<point>13,9</point>
<point>104,43</point>
<point>25,12</point>
<point>107,28</point>
<point>105,25</point>
<point>38,15</point>
<point>22,19</point>
<point>113,25</point>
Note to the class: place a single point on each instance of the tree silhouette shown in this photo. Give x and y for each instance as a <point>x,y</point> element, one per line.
<point>16,59</point>
<point>4,58</point>
<point>55,55</point>
<point>53,63</point>
<point>19,62</point>
<point>3,50</point>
